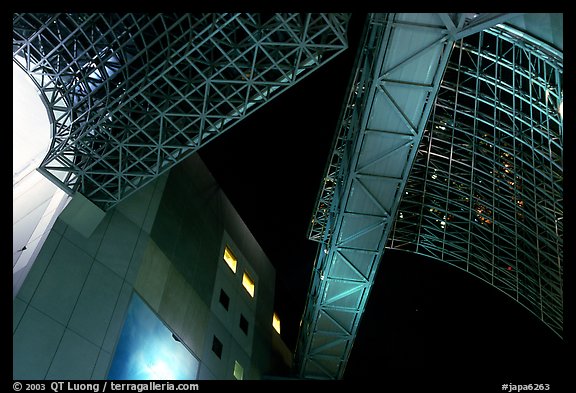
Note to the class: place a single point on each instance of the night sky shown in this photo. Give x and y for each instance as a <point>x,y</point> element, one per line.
<point>424,318</point>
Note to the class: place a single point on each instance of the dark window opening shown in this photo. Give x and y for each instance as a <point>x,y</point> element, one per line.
<point>243,324</point>
<point>217,347</point>
<point>224,299</point>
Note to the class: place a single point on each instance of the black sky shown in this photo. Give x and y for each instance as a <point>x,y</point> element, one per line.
<point>423,317</point>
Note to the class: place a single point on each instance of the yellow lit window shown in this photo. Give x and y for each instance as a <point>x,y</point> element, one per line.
<point>238,370</point>
<point>230,259</point>
<point>276,323</point>
<point>248,283</point>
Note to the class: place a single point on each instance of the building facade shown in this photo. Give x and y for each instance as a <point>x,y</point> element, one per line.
<point>178,252</point>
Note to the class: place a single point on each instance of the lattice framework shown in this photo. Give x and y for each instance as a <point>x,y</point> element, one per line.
<point>486,190</point>
<point>131,95</point>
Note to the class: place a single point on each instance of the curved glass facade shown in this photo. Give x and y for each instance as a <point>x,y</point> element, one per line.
<point>485,193</point>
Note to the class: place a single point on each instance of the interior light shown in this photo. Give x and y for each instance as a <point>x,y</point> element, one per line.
<point>248,284</point>
<point>238,371</point>
<point>230,259</point>
<point>276,323</point>
<point>560,110</point>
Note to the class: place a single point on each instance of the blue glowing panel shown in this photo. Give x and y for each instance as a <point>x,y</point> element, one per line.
<point>147,349</point>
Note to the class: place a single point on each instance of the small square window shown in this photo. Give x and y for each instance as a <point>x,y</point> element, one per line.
<point>217,347</point>
<point>276,322</point>
<point>238,370</point>
<point>230,259</point>
<point>243,324</point>
<point>224,299</point>
<point>248,284</point>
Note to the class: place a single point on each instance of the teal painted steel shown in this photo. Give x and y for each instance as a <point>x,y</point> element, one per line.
<point>131,95</point>
<point>450,146</point>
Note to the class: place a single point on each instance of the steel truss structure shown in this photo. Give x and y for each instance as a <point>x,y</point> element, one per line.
<point>450,144</point>
<point>479,185</point>
<point>486,190</point>
<point>131,95</point>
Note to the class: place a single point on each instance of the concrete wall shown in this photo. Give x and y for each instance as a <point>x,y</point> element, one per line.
<point>36,204</point>
<point>166,242</point>
<point>69,311</point>
<point>191,242</point>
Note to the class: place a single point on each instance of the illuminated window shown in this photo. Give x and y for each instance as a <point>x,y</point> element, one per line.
<point>230,259</point>
<point>243,324</point>
<point>238,371</point>
<point>248,283</point>
<point>224,299</point>
<point>217,347</point>
<point>276,323</point>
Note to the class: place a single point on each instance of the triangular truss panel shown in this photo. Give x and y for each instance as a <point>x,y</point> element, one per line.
<point>131,95</point>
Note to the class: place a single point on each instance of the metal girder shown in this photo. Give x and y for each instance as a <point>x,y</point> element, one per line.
<point>463,25</point>
<point>400,66</point>
<point>131,95</point>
